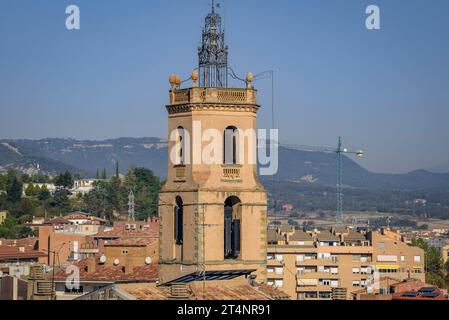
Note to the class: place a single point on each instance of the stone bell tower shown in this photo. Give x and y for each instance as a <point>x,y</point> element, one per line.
<point>212,208</point>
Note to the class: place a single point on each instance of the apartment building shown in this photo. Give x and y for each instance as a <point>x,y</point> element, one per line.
<point>331,264</point>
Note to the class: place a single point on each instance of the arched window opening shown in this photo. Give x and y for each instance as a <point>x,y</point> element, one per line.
<point>181,146</point>
<point>232,227</point>
<point>230,145</point>
<point>178,221</point>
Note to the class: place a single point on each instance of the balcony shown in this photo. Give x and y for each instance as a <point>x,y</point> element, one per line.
<point>316,275</point>
<point>231,173</point>
<point>275,276</point>
<point>275,263</point>
<point>317,262</point>
<point>317,288</point>
<point>180,173</point>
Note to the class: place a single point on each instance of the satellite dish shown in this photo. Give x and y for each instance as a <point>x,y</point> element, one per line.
<point>148,260</point>
<point>116,262</point>
<point>103,258</point>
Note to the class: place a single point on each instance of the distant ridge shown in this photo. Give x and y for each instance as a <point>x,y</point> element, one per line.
<point>302,167</point>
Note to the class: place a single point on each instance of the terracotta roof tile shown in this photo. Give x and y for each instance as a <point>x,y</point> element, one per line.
<point>136,242</point>
<point>13,253</point>
<point>225,291</point>
<point>114,273</point>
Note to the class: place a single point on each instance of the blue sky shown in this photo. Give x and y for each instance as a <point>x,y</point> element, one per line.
<point>386,91</point>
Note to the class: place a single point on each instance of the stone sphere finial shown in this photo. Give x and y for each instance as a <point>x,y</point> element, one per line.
<point>172,79</point>
<point>195,75</point>
<point>178,80</point>
<point>249,79</point>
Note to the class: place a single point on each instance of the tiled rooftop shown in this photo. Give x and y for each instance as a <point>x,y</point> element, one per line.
<point>224,291</point>
<point>113,273</point>
<point>135,241</point>
<point>14,253</point>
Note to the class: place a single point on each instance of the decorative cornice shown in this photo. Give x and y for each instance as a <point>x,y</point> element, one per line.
<point>186,108</point>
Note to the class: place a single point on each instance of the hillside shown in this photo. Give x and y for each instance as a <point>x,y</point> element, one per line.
<point>305,179</point>
<point>317,168</point>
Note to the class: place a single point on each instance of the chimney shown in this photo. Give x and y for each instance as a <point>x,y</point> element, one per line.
<point>91,264</point>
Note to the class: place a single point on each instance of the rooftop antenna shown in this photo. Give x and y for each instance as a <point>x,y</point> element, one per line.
<point>131,214</point>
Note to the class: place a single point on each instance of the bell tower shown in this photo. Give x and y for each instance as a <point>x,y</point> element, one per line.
<point>212,208</point>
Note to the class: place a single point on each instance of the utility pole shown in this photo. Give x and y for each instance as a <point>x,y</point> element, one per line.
<point>339,188</point>
<point>131,213</point>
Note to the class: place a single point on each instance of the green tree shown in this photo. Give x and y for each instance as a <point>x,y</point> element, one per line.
<point>15,191</point>
<point>146,187</point>
<point>25,178</point>
<point>64,180</point>
<point>104,175</point>
<point>433,262</point>
<point>11,229</point>
<point>98,200</point>
<point>61,202</point>
<point>44,194</point>
<point>3,182</point>
<point>27,209</point>
<point>115,194</point>
<point>32,190</point>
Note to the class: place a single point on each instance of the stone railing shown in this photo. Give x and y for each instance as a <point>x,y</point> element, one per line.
<point>213,95</point>
<point>231,173</point>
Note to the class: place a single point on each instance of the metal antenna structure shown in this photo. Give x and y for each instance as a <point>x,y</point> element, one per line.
<point>131,213</point>
<point>213,52</point>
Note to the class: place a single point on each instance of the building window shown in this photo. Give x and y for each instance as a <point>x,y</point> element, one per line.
<point>279,270</point>
<point>417,258</point>
<point>325,295</point>
<point>230,145</point>
<point>325,282</point>
<point>270,270</point>
<point>279,257</point>
<point>232,227</point>
<point>355,271</point>
<point>310,295</point>
<point>356,283</point>
<point>178,221</point>
<point>278,283</point>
